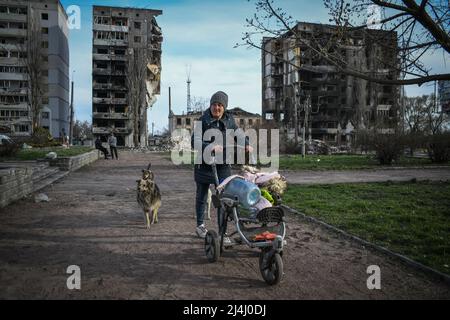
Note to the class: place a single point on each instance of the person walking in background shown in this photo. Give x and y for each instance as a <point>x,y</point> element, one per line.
<point>112,141</point>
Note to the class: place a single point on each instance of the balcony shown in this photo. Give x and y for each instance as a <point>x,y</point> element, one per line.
<point>13,17</point>
<point>110,42</point>
<point>101,100</point>
<point>13,32</point>
<point>15,120</point>
<point>108,27</point>
<point>110,115</point>
<point>119,101</point>
<point>124,130</point>
<point>384,107</point>
<point>13,76</point>
<point>101,71</point>
<point>14,47</point>
<point>99,56</point>
<point>118,57</point>
<point>118,72</point>
<point>22,106</point>
<point>108,130</point>
<point>109,57</point>
<point>102,86</point>
<point>119,87</point>
<point>13,91</point>
<point>12,61</point>
<point>101,130</point>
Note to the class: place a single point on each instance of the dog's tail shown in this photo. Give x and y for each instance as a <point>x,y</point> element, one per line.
<point>149,165</point>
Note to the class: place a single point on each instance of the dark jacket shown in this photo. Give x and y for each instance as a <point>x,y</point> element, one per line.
<point>98,144</point>
<point>203,172</point>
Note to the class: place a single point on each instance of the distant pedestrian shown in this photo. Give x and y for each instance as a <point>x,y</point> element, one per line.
<point>112,140</point>
<point>99,146</point>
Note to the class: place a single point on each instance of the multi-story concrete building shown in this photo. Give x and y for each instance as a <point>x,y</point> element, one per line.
<point>118,35</point>
<point>444,95</point>
<point>244,119</point>
<point>337,103</point>
<point>50,25</point>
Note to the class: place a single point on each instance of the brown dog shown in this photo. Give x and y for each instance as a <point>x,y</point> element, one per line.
<point>148,196</point>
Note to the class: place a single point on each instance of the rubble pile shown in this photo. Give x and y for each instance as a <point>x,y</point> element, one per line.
<point>165,144</point>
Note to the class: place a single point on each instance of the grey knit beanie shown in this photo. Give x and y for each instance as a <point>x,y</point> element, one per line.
<point>220,97</point>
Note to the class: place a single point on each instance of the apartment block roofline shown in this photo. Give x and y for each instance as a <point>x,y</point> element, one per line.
<point>151,11</point>
<point>52,1</point>
<point>288,34</point>
<point>326,25</point>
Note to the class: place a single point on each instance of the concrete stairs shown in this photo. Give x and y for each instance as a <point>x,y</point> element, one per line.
<point>43,174</point>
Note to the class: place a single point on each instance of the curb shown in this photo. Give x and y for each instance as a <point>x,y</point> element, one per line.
<point>409,262</point>
<point>372,169</point>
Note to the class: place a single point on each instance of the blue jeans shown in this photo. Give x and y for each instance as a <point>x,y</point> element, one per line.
<point>201,201</point>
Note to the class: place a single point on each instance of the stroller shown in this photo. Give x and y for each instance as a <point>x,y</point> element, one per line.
<point>264,229</point>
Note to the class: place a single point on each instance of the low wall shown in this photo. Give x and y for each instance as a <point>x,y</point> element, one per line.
<point>75,162</point>
<point>15,183</point>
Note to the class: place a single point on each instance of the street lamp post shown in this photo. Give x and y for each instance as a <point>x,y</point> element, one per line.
<point>71,113</point>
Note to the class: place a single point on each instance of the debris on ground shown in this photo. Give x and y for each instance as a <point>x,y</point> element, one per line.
<point>41,197</point>
<point>51,155</point>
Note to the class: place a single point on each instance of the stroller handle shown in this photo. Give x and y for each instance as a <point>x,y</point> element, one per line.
<point>252,160</point>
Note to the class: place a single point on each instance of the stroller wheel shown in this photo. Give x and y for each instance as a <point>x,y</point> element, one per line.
<point>212,246</point>
<point>271,266</point>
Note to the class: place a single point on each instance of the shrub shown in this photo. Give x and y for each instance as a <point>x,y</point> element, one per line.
<point>362,141</point>
<point>42,138</point>
<point>290,147</point>
<point>414,140</point>
<point>9,149</point>
<point>387,147</point>
<point>438,146</point>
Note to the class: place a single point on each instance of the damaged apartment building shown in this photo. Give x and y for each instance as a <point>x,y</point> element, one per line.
<point>126,72</point>
<point>47,56</point>
<point>336,104</point>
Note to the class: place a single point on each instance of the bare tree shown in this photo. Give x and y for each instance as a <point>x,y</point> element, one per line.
<point>415,114</point>
<point>82,130</point>
<point>199,104</point>
<point>421,27</point>
<point>33,59</point>
<point>136,77</point>
<point>436,121</point>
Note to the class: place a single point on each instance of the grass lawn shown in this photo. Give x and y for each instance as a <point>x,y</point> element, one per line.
<point>334,162</point>
<point>343,162</point>
<point>412,219</point>
<point>33,154</point>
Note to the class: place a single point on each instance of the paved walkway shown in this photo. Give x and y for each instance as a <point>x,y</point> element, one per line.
<point>374,175</point>
<point>93,221</point>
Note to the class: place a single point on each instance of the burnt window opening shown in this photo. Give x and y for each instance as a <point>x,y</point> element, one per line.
<point>102,94</point>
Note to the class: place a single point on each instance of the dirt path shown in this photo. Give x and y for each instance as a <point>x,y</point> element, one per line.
<point>93,221</point>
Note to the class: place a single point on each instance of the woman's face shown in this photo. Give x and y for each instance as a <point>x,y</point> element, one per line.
<point>217,110</point>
